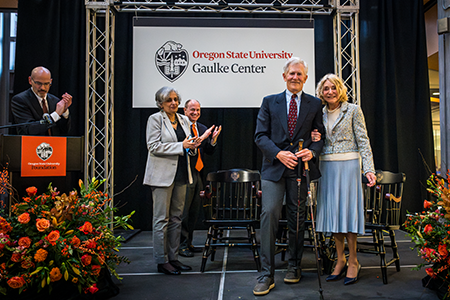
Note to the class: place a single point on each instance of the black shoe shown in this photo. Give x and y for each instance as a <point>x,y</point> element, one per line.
<point>185,252</point>
<point>195,249</point>
<point>179,266</point>
<point>264,285</point>
<point>348,280</point>
<point>339,276</point>
<point>168,269</point>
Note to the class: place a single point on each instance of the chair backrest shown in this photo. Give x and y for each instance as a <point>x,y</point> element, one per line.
<point>233,195</point>
<point>382,202</point>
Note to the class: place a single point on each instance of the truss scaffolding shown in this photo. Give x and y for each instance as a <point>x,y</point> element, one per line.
<point>100,18</point>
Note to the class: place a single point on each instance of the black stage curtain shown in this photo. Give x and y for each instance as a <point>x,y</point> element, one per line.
<point>395,92</point>
<point>236,147</point>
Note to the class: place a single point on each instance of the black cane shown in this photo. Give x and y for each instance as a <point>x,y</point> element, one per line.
<point>299,181</point>
<point>309,197</point>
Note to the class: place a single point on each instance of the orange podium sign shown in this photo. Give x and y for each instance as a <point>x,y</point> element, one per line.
<point>43,156</point>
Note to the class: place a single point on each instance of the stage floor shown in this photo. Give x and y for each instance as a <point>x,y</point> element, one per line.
<point>232,275</point>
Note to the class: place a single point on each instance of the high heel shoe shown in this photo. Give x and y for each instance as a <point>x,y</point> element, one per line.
<point>348,280</point>
<point>339,276</point>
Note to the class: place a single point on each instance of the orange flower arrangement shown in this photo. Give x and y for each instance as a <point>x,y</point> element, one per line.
<point>53,238</point>
<point>430,231</point>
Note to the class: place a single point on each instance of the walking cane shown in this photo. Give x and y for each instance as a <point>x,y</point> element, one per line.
<point>309,199</point>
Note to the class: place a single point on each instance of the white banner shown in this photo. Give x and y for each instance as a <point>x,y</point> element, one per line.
<point>220,62</point>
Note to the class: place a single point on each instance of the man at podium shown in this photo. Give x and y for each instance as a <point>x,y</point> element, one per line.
<point>36,104</point>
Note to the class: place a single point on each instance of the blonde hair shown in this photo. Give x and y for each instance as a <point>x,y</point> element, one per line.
<point>340,87</point>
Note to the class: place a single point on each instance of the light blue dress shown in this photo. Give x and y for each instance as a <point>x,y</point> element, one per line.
<point>340,202</point>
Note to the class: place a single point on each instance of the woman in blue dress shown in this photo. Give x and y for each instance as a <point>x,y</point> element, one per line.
<point>340,203</point>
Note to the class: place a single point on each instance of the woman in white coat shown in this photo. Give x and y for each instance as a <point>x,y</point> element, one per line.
<point>167,173</point>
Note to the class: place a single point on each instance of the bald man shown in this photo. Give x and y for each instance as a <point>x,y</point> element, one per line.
<point>30,106</point>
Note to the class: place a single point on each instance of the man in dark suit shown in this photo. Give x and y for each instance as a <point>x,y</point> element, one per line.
<point>193,203</point>
<point>32,104</point>
<point>283,120</point>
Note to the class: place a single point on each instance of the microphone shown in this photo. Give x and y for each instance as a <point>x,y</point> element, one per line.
<point>46,119</point>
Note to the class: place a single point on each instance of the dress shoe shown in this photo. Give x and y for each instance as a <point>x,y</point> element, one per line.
<point>179,266</point>
<point>264,285</point>
<point>185,252</point>
<point>339,276</point>
<point>293,275</point>
<point>195,249</point>
<point>348,280</point>
<point>168,269</point>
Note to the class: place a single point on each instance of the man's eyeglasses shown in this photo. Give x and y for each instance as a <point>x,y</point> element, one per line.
<point>46,84</point>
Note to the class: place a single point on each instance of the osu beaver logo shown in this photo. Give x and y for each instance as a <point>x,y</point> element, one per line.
<point>44,151</point>
<point>171,60</point>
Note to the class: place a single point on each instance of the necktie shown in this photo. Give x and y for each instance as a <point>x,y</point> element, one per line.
<point>45,110</point>
<point>199,164</point>
<point>292,121</point>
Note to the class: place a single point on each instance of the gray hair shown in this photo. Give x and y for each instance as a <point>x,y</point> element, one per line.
<point>163,94</point>
<point>293,61</point>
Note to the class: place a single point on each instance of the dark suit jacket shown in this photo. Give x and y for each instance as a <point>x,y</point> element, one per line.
<point>271,135</point>
<point>204,148</point>
<point>25,108</point>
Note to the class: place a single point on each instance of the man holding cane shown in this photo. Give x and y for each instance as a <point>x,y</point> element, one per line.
<point>283,120</point>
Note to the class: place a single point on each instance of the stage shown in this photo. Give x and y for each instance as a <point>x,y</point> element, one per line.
<point>232,275</point>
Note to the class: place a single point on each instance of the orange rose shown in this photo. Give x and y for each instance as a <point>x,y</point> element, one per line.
<point>86,228</point>
<point>26,264</point>
<point>428,229</point>
<point>442,249</point>
<point>16,257</point>
<point>427,204</point>
<point>55,275</point>
<point>42,224</point>
<point>16,282</point>
<point>86,259</point>
<point>31,191</point>
<point>75,241</point>
<point>25,242</point>
<point>52,237</point>
<point>24,218</point>
<point>40,255</point>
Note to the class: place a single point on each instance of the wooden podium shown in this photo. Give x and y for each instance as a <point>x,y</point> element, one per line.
<point>11,154</point>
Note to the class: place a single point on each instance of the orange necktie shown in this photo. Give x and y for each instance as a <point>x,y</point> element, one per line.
<point>199,164</point>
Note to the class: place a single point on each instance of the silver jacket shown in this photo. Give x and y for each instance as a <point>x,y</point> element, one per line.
<point>349,134</point>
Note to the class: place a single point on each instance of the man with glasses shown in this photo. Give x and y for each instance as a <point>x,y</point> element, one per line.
<point>31,105</point>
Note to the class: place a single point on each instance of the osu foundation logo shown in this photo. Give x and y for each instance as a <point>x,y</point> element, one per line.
<point>44,151</point>
<point>171,60</point>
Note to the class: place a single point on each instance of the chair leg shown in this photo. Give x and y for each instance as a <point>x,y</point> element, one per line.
<point>207,250</point>
<point>382,252</point>
<point>394,250</point>
<point>215,233</point>
<point>252,240</point>
<point>327,252</point>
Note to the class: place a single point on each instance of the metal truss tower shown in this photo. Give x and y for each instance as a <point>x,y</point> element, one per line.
<point>346,46</point>
<point>99,125</point>
<point>100,18</point>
